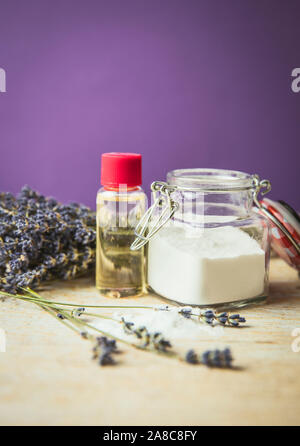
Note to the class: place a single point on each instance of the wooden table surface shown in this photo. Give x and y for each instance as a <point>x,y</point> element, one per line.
<point>47,376</point>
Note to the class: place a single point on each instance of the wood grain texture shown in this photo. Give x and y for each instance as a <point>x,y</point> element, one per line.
<point>47,376</point>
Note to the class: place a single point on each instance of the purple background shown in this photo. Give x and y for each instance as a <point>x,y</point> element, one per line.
<point>186,83</point>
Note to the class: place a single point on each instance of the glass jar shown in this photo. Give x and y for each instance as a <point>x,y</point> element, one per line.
<point>208,246</point>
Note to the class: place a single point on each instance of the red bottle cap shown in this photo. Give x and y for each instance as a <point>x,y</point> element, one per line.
<point>121,168</point>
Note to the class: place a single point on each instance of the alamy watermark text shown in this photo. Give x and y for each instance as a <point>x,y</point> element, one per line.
<point>2,80</point>
<point>295,86</point>
<point>296,342</point>
<point>2,341</point>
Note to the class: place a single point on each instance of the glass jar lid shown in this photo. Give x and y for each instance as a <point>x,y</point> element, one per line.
<point>211,180</point>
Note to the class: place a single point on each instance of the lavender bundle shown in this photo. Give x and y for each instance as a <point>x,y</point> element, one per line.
<point>42,239</point>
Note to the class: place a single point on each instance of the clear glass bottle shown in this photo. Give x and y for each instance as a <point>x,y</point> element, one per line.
<point>208,246</point>
<point>120,204</point>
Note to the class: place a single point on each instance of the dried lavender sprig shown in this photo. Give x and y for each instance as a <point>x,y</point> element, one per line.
<point>209,317</point>
<point>211,358</point>
<point>147,339</point>
<point>104,350</point>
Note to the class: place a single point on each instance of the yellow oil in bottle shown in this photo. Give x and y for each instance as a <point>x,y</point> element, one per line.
<point>119,271</point>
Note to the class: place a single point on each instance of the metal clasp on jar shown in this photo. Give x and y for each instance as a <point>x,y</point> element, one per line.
<point>260,186</point>
<point>150,223</point>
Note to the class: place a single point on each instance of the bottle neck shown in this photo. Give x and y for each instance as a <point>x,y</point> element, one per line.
<point>121,188</point>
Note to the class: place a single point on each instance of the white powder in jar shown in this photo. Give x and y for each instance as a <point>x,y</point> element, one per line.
<point>215,265</point>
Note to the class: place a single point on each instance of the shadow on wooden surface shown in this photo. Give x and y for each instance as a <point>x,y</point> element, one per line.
<point>284,292</point>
